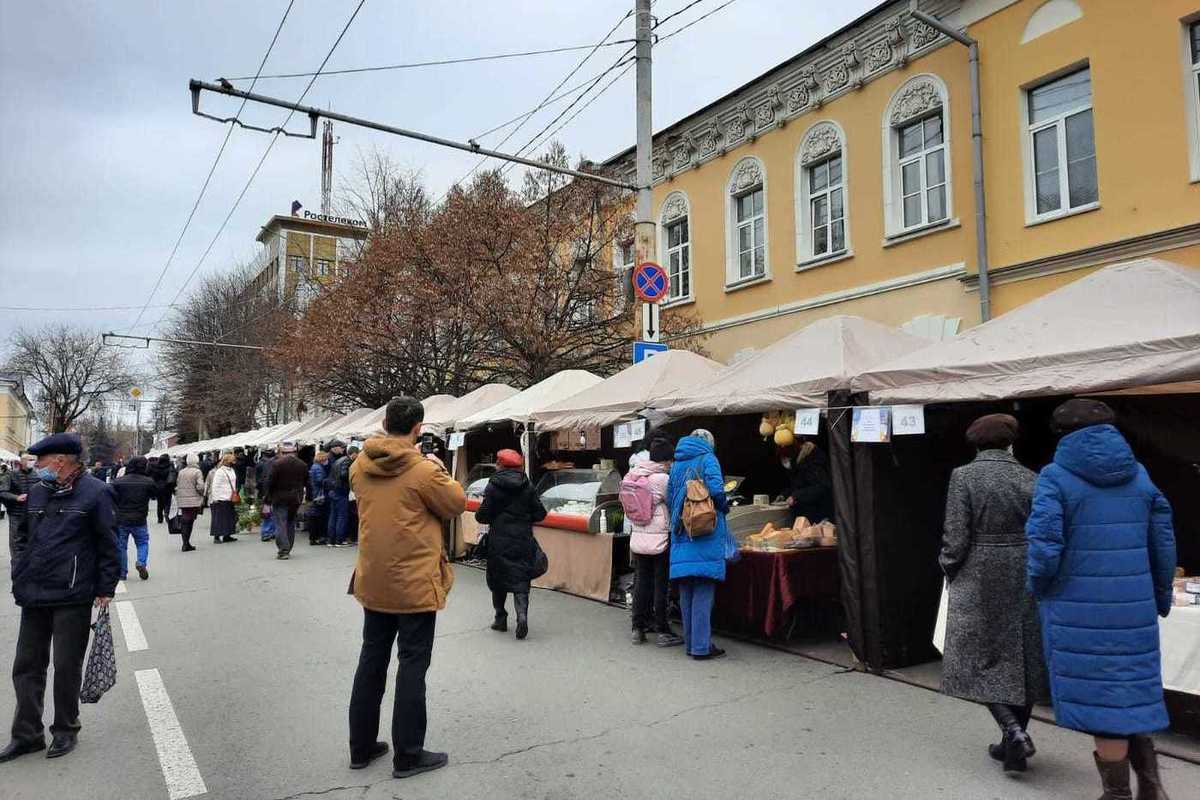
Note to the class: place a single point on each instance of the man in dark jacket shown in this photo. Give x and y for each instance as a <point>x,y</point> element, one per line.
<point>339,494</point>
<point>15,493</point>
<point>134,490</point>
<point>241,465</point>
<point>164,475</point>
<point>64,560</point>
<point>286,479</point>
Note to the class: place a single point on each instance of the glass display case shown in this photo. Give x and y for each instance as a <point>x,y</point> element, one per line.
<point>583,494</point>
<point>477,480</point>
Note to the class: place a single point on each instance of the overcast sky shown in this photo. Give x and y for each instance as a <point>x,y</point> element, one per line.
<point>101,159</point>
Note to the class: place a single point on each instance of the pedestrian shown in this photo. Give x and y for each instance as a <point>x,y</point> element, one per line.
<point>133,492</point>
<point>401,579</point>
<point>993,650</point>
<point>163,473</point>
<point>352,504</point>
<point>810,484</point>
<point>206,464</point>
<point>697,565</point>
<point>241,464</point>
<point>189,498</point>
<point>318,510</point>
<point>99,471</point>
<point>65,560</point>
<point>1101,563</point>
<point>510,508</point>
<point>261,468</point>
<point>284,491</point>
<point>644,497</point>
<point>338,492</point>
<point>15,495</point>
<point>220,489</point>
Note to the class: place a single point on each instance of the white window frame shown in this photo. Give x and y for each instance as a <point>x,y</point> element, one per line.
<point>1191,72</point>
<point>917,98</point>
<point>675,208</point>
<point>1065,209</point>
<point>324,267</point>
<point>748,176</point>
<point>623,268</point>
<point>823,141</point>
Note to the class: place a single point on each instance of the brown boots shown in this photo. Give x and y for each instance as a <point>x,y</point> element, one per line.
<point>1114,775</point>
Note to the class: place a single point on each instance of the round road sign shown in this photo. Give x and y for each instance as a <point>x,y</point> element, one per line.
<point>650,282</point>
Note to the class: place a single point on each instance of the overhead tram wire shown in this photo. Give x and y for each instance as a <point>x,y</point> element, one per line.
<point>204,188</point>
<point>261,161</point>
<point>700,18</point>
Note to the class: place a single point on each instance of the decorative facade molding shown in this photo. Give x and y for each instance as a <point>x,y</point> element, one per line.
<point>885,41</point>
<point>821,140</point>
<point>674,207</point>
<point>917,98</point>
<point>746,175</point>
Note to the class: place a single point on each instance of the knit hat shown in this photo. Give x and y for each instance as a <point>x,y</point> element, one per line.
<point>509,459</point>
<point>1081,412</point>
<point>994,431</point>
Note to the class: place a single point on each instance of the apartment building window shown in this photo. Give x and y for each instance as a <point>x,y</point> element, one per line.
<point>748,217</point>
<point>297,264</point>
<point>917,184</point>
<point>324,267</point>
<point>821,201</point>
<point>676,245</point>
<point>1192,49</point>
<point>1061,176</point>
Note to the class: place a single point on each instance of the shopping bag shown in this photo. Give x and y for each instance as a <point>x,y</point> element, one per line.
<point>101,671</point>
<point>541,562</point>
<point>939,627</point>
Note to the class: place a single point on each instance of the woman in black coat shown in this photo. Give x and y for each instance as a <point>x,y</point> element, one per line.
<point>510,508</point>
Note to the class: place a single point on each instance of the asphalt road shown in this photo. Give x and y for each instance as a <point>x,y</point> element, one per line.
<point>247,664</point>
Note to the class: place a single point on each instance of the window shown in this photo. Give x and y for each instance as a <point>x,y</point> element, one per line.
<point>1062,145</point>
<point>674,224</point>
<point>296,263</point>
<point>827,211</point>
<point>918,191</point>
<point>324,267</point>
<point>1192,48</point>
<point>751,234</point>
<point>922,153</point>
<point>625,255</point>
<point>821,194</point>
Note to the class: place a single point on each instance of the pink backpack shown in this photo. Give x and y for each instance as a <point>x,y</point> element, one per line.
<point>637,499</point>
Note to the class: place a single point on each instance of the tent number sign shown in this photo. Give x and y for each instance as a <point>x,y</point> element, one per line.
<point>650,282</point>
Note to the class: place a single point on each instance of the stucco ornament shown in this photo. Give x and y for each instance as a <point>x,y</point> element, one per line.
<point>916,99</point>
<point>746,174</point>
<point>819,142</point>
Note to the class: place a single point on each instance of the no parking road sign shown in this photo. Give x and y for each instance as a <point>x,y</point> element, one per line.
<point>650,282</point>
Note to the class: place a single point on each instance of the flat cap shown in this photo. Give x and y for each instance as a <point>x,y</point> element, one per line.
<point>335,443</point>
<point>992,431</point>
<point>58,444</point>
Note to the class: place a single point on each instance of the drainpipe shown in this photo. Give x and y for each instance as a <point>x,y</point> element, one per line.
<point>981,246</point>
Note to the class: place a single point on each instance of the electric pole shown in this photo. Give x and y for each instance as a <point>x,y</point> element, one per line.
<point>645,245</point>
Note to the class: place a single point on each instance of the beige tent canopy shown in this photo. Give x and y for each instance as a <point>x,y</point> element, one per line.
<point>372,423</point>
<point>796,371</point>
<point>444,418</point>
<point>521,407</point>
<point>1131,324</point>
<point>632,389</point>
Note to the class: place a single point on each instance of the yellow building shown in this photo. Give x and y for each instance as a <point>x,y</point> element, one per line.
<point>304,249</point>
<point>16,415</point>
<point>841,182</point>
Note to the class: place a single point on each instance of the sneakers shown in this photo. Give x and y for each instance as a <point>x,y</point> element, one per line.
<point>143,573</point>
<point>668,639</point>
<point>407,766</point>
<point>378,749</point>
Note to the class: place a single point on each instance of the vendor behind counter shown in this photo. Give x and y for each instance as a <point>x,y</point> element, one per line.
<point>809,483</point>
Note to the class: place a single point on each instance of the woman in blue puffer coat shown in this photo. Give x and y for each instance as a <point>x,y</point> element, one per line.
<point>697,565</point>
<point>1101,559</point>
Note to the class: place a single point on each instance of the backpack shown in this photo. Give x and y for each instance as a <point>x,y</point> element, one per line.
<point>699,514</point>
<point>636,499</point>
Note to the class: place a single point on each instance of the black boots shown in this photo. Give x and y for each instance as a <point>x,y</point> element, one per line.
<point>521,601</point>
<point>1145,765</point>
<point>1016,747</point>
<point>500,623</point>
<point>1114,777</point>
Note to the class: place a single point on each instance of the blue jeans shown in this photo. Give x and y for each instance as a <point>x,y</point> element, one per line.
<point>696,604</point>
<point>339,517</point>
<point>141,539</point>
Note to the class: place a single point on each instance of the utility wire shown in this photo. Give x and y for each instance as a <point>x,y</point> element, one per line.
<point>700,18</point>
<point>531,112</point>
<point>261,161</point>
<point>204,188</point>
<point>671,16</point>
<point>438,63</point>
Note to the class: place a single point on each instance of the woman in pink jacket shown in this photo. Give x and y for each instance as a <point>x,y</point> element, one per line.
<point>646,484</point>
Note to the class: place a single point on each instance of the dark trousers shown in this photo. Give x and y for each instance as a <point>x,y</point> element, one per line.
<point>651,588</point>
<point>163,508</point>
<point>285,526</point>
<point>413,634</point>
<point>520,604</point>
<point>68,629</point>
<point>187,519</point>
<point>318,515</point>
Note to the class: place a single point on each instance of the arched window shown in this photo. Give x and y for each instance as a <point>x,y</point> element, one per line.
<point>821,217</point>
<point>916,156</point>
<point>746,223</point>
<point>675,244</point>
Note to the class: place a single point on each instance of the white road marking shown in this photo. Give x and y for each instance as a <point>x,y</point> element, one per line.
<point>174,756</point>
<point>121,587</point>
<point>134,638</point>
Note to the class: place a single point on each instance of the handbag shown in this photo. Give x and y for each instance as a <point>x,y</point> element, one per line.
<point>175,525</point>
<point>541,562</point>
<point>101,672</point>
<point>234,497</point>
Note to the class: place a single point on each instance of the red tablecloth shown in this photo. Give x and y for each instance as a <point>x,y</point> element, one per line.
<point>763,590</point>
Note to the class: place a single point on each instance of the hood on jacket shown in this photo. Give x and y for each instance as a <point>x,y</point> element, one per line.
<point>389,456</point>
<point>1099,454</point>
<point>644,469</point>
<point>690,447</point>
<point>510,481</point>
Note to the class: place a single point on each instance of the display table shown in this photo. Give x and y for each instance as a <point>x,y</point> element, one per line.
<point>764,591</point>
<point>1179,635</point>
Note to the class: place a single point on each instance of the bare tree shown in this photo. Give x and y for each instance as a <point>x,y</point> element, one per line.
<point>382,192</point>
<point>70,370</point>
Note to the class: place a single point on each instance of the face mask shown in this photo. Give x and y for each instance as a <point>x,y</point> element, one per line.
<point>46,474</point>
<point>786,462</point>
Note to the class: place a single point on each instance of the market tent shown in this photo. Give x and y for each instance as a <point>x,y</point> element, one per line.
<point>1128,325</point>
<point>444,418</point>
<point>632,389</point>
<point>521,407</point>
<point>372,423</point>
<point>8,455</point>
<point>799,370</point>
<point>330,430</point>
<point>303,434</point>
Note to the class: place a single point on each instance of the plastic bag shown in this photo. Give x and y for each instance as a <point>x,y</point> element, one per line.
<point>100,674</point>
<point>939,627</point>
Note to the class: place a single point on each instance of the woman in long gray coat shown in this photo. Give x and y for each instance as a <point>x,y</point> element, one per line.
<point>993,651</point>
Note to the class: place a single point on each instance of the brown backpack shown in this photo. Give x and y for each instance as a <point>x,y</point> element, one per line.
<point>699,514</point>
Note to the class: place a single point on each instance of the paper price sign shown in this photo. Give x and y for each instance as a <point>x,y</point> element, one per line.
<point>808,421</point>
<point>870,425</point>
<point>457,439</point>
<point>908,420</point>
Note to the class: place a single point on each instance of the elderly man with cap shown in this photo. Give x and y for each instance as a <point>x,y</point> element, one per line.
<point>1101,562</point>
<point>64,560</point>
<point>993,651</point>
<point>287,477</point>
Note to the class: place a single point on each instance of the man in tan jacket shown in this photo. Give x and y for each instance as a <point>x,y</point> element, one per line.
<point>401,579</point>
